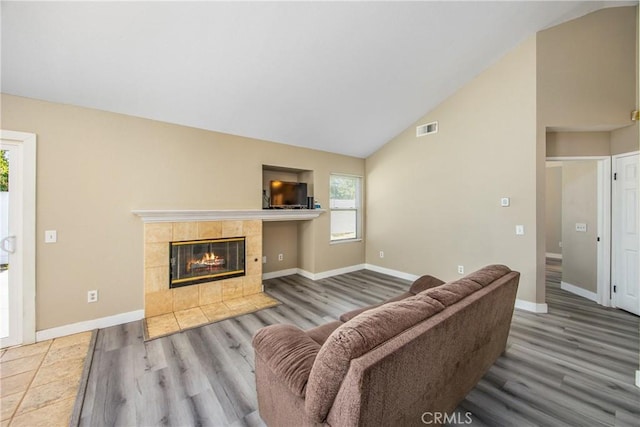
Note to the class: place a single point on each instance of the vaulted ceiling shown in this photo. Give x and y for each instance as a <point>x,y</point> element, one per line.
<point>343,77</point>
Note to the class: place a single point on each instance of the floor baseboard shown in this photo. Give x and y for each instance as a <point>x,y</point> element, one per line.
<point>331,273</point>
<point>89,325</point>
<point>313,276</point>
<point>391,272</point>
<point>531,306</point>
<point>577,290</point>
<point>279,273</point>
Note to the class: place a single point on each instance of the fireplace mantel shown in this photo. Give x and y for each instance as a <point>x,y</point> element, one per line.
<point>149,216</point>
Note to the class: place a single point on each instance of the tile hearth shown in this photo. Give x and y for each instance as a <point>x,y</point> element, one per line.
<point>166,324</point>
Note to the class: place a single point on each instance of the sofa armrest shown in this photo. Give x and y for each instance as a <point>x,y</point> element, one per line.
<point>423,283</point>
<point>288,352</point>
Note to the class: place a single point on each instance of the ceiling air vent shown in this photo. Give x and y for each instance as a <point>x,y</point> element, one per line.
<point>427,129</point>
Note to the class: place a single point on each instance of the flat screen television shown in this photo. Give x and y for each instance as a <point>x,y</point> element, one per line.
<point>292,195</point>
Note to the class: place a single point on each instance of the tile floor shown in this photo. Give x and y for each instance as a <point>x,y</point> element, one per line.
<point>159,326</point>
<point>39,382</point>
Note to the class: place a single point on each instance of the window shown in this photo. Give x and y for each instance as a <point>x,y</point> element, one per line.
<point>345,203</point>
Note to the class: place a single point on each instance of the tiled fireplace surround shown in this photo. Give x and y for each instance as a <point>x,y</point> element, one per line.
<point>159,299</point>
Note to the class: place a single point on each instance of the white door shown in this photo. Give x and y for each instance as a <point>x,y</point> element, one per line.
<point>625,278</point>
<point>10,254</point>
<point>17,238</point>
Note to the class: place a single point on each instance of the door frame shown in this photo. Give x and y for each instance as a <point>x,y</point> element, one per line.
<point>27,228</point>
<point>604,224</point>
<point>614,228</point>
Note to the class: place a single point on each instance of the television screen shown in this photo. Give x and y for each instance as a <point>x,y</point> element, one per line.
<point>288,194</point>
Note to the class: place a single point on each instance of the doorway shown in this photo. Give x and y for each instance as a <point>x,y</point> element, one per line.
<point>582,239</point>
<point>17,242</point>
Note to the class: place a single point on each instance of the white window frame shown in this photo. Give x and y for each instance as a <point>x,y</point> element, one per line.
<point>357,209</point>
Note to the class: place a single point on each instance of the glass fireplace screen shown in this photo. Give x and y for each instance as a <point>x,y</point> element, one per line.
<point>200,261</point>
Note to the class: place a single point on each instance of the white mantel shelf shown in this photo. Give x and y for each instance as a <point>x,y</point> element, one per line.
<point>228,215</point>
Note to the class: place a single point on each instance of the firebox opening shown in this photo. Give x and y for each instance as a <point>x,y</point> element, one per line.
<point>199,261</point>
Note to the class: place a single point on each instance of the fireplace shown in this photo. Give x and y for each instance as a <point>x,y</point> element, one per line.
<point>200,261</point>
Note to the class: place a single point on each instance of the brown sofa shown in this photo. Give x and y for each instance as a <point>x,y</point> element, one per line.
<point>389,364</point>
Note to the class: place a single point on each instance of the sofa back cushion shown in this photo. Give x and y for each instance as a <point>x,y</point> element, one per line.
<point>352,340</point>
<point>452,292</point>
<point>487,275</point>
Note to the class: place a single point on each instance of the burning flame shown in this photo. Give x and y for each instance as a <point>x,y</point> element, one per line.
<point>208,259</point>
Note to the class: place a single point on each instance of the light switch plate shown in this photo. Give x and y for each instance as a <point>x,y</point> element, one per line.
<point>50,236</point>
<point>520,230</point>
<point>505,202</point>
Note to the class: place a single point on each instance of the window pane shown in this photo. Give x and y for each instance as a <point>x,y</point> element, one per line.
<point>343,192</point>
<point>343,225</point>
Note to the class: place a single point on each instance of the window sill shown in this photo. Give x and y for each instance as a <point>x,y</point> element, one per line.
<point>340,242</point>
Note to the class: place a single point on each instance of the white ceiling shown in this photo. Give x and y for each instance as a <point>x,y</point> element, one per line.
<point>343,77</point>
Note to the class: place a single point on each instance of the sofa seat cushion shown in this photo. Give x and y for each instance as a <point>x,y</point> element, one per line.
<point>289,352</point>
<point>353,339</point>
<point>320,333</point>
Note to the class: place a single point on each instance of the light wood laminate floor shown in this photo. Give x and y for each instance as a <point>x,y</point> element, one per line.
<point>572,366</point>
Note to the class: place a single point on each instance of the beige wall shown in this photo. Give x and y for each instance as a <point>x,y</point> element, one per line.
<point>586,80</point>
<point>587,70</point>
<point>433,203</point>
<point>568,144</point>
<point>554,208</point>
<point>95,167</point>
<point>572,144</point>
<point>579,205</point>
<point>280,238</point>
<point>625,140</point>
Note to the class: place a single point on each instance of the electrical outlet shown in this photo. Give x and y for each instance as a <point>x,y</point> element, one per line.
<point>381,254</point>
<point>461,269</point>
<point>520,230</point>
<point>280,257</point>
<point>92,296</point>
<point>264,259</point>
<point>581,227</point>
